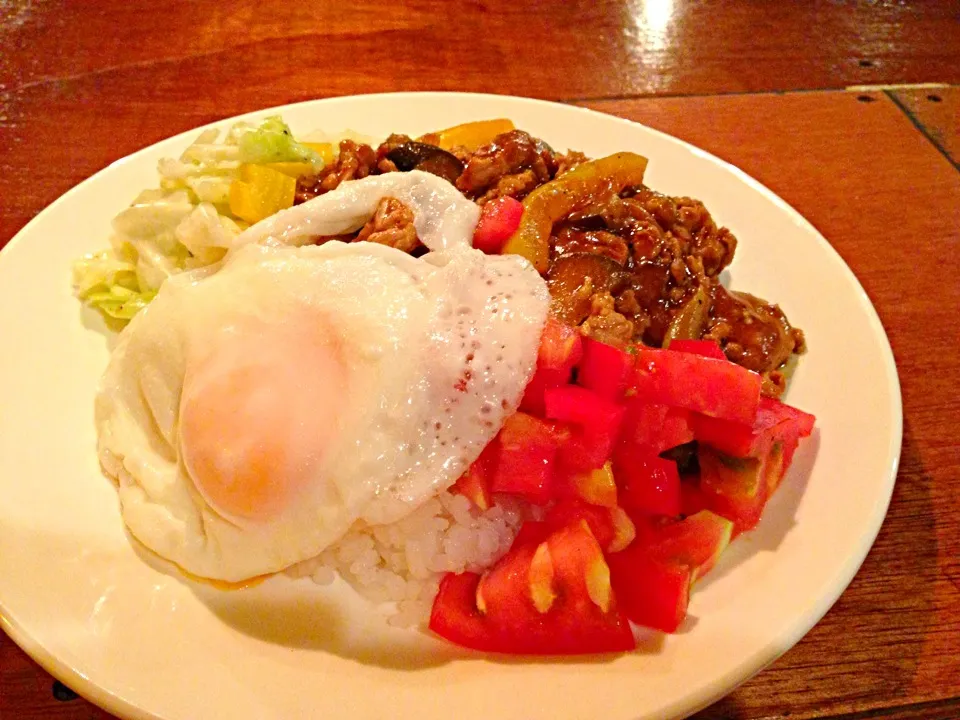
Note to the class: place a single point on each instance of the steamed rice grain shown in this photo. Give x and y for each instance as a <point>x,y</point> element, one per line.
<point>402,563</point>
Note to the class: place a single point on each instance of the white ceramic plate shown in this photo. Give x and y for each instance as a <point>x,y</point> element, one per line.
<point>143,644</point>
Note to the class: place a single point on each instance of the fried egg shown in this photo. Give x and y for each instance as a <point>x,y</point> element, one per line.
<point>255,411</point>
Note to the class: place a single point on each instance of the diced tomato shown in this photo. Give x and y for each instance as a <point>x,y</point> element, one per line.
<point>592,457</point>
<point>647,526</point>
<point>597,486</point>
<point>612,527</point>
<point>582,408</point>
<point>552,597</point>
<point>774,421</point>
<point>580,454</point>
<point>706,348</point>
<point>561,346</point>
<point>532,400</point>
<point>696,541</point>
<point>455,615</point>
<point>654,428</point>
<point>651,592</point>
<point>582,574</point>
<point>572,511</point>
<point>785,438</point>
<point>676,430</point>
<point>624,530</point>
<point>499,218</point>
<point>778,461</point>
<point>647,483</point>
<point>604,369</point>
<point>802,421</point>
<point>706,385</point>
<point>653,577</point>
<point>525,462</point>
<point>733,487</point>
<point>474,484</point>
<point>506,587</point>
<point>692,498</point>
<point>595,425</point>
<point>741,465</point>
<point>532,532</point>
<point>560,351</point>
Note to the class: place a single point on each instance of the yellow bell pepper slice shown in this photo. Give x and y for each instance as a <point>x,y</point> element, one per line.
<point>299,169</point>
<point>260,192</point>
<point>324,150</point>
<point>471,135</point>
<point>554,200</point>
<point>292,169</point>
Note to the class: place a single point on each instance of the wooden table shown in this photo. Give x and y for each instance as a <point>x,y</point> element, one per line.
<point>759,84</point>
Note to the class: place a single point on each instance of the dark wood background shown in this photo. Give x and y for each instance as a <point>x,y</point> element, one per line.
<point>774,87</point>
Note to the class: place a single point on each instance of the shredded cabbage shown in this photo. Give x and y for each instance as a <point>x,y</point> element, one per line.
<point>110,284</point>
<point>186,222</point>
<point>121,303</point>
<point>273,142</point>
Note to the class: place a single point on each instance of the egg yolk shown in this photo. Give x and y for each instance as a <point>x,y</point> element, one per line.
<point>259,411</point>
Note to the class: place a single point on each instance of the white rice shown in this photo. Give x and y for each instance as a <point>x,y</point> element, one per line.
<point>403,562</point>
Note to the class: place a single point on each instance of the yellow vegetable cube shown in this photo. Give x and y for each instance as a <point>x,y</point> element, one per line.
<point>261,192</point>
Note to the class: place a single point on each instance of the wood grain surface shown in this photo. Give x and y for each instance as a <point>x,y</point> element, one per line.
<point>84,83</point>
<point>544,48</point>
<point>936,112</point>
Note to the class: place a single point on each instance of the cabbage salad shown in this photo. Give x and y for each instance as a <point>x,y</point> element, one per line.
<point>216,189</point>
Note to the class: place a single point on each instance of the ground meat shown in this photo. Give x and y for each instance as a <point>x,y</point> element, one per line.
<point>516,186</point>
<point>773,383</point>
<point>391,224</point>
<point>631,220</point>
<point>799,339</point>
<point>393,141</point>
<point>628,306</point>
<point>462,153</point>
<point>690,227</point>
<point>508,154</point>
<point>664,251</point>
<point>355,161</point>
<point>752,332</point>
<point>568,162</point>
<point>601,242</point>
<point>605,324</point>
<point>669,246</point>
<point>385,164</point>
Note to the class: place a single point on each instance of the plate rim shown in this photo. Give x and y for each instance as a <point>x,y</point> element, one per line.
<point>733,676</point>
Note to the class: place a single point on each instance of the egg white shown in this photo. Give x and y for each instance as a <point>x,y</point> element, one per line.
<point>437,352</point>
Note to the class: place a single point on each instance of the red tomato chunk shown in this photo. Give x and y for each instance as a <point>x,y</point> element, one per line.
<point>654,428</point>
<point>648,484</point>
<point>560,351</point>
<point>604,369</point>
<point>525,462</point>
<point>774,421</point>
<point>547,598</point>
<point>475,482</point>
<point>653,577</point>
<point>623,536</point>
<point>595,425</point>
<point>707,348</point>
<point>653,593</point>
<point>706,385</point>
<point>499,218</point>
